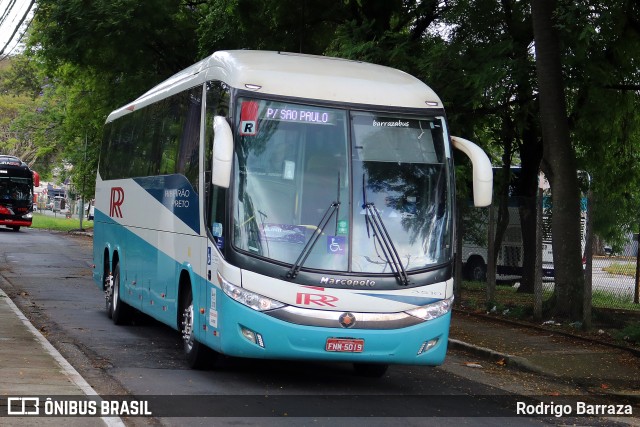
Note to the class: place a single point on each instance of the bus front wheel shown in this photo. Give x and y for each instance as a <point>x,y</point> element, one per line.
<point>198,355</point>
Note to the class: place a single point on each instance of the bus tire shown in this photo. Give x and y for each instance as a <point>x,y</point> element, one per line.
<point>198,355</point>
<point>370,370</point>
<point>16,228</point>
<point>476,270</point>
<point>118,311</point>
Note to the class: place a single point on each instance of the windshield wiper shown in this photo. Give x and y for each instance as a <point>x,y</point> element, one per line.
<point>384,239</point>
<point>295,268</point>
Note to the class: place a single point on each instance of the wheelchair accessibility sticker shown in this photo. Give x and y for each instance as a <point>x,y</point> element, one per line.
<point>336,244</point>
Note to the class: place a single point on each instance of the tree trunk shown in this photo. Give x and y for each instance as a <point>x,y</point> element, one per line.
<point>502,195</point>
<point>457,274</point>
<point>530,153</point>
<point>560,158</point>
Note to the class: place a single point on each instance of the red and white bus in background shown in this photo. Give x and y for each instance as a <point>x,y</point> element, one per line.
<point>16,192</point>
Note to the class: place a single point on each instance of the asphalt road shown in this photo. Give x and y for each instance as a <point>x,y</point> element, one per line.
<point>50,279</point>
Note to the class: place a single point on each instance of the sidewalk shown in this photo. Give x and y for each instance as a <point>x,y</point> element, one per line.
<point>31,366</point>
<point>599,367</point>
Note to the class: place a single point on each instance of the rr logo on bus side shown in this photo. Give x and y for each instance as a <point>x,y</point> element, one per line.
<point>317,299</point>
<point>117,198</point>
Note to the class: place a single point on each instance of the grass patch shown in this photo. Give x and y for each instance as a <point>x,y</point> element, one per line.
<point>606,299</point>
<point>621,269</point>
<point>474,297</point>
<point>614,314</point>
<point>631,333</point>
<point>59,223</point>
<point>508,302</point>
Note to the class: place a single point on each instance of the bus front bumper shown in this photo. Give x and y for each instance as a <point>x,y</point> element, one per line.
<point>244,332</point>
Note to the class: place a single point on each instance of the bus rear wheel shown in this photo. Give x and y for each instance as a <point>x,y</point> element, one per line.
<point>117,310</point>
<point>198,355</point>
<point>476,270</point>
<point>370,370</point>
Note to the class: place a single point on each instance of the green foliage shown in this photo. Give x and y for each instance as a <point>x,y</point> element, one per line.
<point>220,27</point>
<point>603,46</point>
<point>121,38</point>
<point>20,108</point>
<point>20,77</point>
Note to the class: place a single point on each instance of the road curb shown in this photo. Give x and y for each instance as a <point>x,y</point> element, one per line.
<point>495,356</point>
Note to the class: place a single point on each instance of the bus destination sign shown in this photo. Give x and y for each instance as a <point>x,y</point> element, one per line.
<point>300,114</point>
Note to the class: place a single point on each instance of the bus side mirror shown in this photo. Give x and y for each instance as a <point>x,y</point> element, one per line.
<point>482,171</point>
<point>222,152</point>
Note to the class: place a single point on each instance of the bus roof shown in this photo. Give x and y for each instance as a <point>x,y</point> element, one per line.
<point>300,76</point>
<point>14,167</point>
<point>11,160</point>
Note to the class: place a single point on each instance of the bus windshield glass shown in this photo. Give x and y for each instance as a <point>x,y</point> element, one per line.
<point>400,169</point>
<point>15,189</point>
<point>301,167</point>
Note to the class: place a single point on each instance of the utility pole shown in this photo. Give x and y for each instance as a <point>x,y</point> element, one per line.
<point>84,165</point>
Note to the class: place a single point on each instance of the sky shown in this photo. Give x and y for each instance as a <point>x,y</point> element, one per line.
<point>11,12</point>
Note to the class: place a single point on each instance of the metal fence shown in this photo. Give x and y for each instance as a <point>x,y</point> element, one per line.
<point>613,278</point>
<point>610,278</point>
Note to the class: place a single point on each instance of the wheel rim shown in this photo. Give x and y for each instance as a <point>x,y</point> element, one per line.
<point>108,290</point>
<point>187,328</point>
<point>115,291</point>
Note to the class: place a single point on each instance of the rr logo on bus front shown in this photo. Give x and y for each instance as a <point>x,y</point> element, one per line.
<point>117,198</point>
<point>315,299</point>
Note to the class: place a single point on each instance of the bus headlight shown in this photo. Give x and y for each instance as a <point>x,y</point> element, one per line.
<point>433,310</point>
<point>250,299</point>
<point>27,216</point>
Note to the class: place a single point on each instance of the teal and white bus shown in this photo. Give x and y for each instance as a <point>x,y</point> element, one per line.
<point>284,206</point>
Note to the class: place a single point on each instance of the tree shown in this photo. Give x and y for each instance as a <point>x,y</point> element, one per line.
<point>483,67</point>
<point>96,56</point>
<point>559,158</point>
<point>12,141</point>
<point>23,125</point>
<point>601,46</point>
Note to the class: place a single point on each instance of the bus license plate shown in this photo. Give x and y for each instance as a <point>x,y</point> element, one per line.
<point>345,345</point>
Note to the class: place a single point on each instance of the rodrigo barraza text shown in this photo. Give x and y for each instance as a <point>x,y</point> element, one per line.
<point>577,408</point>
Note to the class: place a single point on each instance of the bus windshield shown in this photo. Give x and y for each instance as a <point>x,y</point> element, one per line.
<point>15,189</point>
<point>297,164</point>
